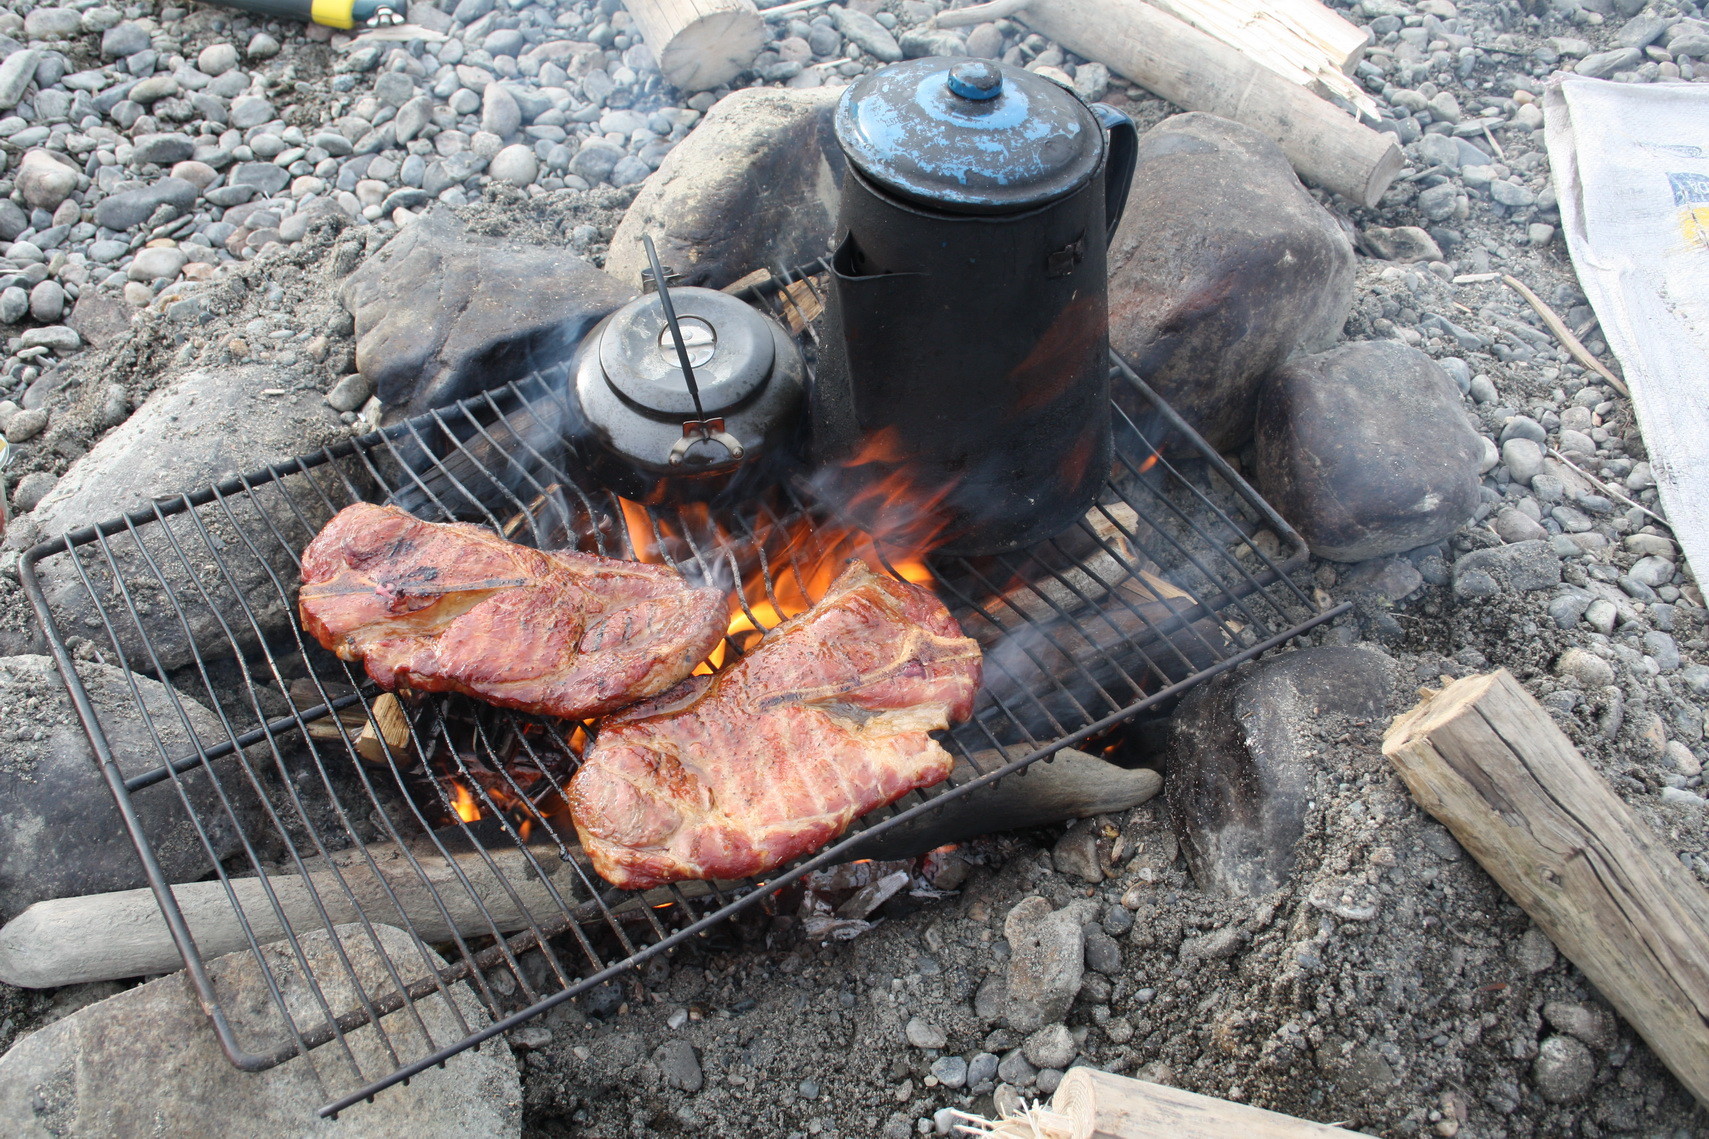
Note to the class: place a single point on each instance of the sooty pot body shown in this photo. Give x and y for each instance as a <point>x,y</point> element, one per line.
<point>967,355</point>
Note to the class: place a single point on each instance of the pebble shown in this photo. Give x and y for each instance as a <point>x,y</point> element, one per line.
<point>1584,667</point>
<point>216,59</point>
<point>1513,525</point>
<point>1564,1069</point>
<point>32,488</point>
<point>350,393</point>
<point>155,264</point>
<point>981,1070</point>
<point>950,1071</point>
<point>866,33</point>
<point>14,304</point>
<point>679,1065</point>
<point>922,1034</point>
<point>500,114</point>
<point>1015,1069</point>
<point>25,425</point>
<point>130,208</point>
<point>515,164</point>
<point>1523,459</point>
<point>47,302</point>
<point>43,180</point>
<point>1050,1047</point>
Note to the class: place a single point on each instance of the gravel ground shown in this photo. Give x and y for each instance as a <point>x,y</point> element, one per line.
<point>211,178</point>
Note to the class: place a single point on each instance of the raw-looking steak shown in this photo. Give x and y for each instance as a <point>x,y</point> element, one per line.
<point>737,774</point>
<point>450,607</point>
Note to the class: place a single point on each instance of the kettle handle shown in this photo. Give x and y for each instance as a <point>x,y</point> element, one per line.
<point>1119,165</point>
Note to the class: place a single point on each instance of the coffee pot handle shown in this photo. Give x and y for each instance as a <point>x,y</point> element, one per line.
<point>1118,166</point>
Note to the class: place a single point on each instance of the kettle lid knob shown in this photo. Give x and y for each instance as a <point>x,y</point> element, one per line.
<point>976,79</point>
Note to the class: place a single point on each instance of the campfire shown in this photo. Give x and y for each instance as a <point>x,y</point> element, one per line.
<point>1176,570</point>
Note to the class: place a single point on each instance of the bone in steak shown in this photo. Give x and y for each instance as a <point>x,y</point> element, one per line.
<point>450,607</point>
<point>737,774</point>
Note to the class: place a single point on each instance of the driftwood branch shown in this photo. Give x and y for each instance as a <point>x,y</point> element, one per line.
<point>1484,757</point>
<point>1073,785</point>
<point>106,937</point>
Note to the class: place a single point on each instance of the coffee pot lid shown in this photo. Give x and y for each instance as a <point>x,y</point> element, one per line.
<point>968,135</point>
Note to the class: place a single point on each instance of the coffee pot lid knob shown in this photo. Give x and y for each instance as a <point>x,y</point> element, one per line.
<point>976,79</point>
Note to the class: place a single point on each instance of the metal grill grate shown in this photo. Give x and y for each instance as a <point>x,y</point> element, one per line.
<point>1181,572</point>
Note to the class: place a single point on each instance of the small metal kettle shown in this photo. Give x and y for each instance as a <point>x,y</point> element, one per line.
<point>967,329</point>
<point>688,418</point>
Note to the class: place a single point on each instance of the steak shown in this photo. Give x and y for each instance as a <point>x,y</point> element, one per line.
<point>450,607</point>
<point>738,773</point>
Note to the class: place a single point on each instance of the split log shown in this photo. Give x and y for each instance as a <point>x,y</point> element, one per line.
<point>1073,785</point>
<point>1089,1104</point>
<point>1198,72</point>
<point>105,937</point>
<point>1486,760</point>
<point>700,43</point>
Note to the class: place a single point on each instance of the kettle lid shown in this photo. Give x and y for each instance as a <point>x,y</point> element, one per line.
<point>729,344</point>
<point>968,135</point>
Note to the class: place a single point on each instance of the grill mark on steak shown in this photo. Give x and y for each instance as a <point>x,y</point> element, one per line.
<point>450,607</point>
<point>734,775</point>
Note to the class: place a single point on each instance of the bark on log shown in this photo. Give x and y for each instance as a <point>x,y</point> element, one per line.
<point>105,937</point>
<point>1198,72</point>
<point>1485,759</point>
<point>700,43</point>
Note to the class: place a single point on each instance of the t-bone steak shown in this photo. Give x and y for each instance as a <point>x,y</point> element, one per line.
<point>450,607</point>
<point>736,774</point>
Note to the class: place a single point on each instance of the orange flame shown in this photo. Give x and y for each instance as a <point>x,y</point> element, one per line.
<point>889,520</point>
<point>463,802</point>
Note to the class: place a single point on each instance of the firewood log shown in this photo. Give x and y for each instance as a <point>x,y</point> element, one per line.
<point>700,43</point>
<point>1486,760</point>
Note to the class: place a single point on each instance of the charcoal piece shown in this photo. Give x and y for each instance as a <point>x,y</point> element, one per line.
<point>1243,764</point>
<point>442,313</point>
<point>1222,268</point>
<point>192,574</point>
<point>123,1065</point>
<point>755,186</point>
<point>1367,450</point>
<point>60,832</point>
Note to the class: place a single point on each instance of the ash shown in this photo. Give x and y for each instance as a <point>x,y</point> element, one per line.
<point>1389,985</point>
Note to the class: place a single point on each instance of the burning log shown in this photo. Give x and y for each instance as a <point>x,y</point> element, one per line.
<point>700,43</point>
<point>1198,72</point>
<point>1072,785</point>
<point>1485,759</point>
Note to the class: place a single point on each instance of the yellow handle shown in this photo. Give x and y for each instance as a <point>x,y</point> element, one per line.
<point>333,13</point>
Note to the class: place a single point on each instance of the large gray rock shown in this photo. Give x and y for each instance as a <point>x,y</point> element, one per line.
<point>754,186</point>
<point>1367,450</point>
<point>1240,772</point>
<point>60,831</point>
<point>1222,268</point>
<point>123,1065</point>
<point>1047,962</point>
<point>206,426</point>
<point>442,313</point>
